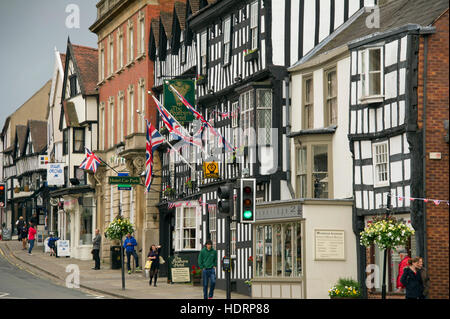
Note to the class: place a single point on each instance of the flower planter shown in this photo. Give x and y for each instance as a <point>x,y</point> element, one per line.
<point>196,280</point>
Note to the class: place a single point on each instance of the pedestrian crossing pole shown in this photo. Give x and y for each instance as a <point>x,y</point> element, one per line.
<point>383,286</point>
<point>121,248</point>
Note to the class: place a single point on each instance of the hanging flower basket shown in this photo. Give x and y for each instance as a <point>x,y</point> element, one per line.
<point>118,228</point>
<point>386,233</point>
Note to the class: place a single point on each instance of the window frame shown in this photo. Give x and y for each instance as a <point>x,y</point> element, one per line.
<point>364,57</point>
<point>307,105</point>
<point>327,98</point>
<point>254,26</point>
<point>376,182</point>
<point>180,228</point>
<point>74,140</point>
<point>84,180</point>
<point>65,146</point>
<point>259,108</point>
<point>227,40</point>
<point>204,52</point>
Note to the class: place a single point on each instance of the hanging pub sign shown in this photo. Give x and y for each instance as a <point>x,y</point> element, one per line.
<point>173,104</point>
<point>210,170</point>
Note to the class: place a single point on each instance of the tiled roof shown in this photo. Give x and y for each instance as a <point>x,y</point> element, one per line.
<point>86,60</point>
<point>393,14</point>
<point>70,114</point>
<point>38,131</point>
<point>21,131</point>
<point>180,10</point>
<point>195,6</point>
<point>166,20</point>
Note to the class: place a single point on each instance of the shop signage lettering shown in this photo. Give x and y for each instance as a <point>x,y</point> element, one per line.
<point>288,211</point>
<point>179,269</point>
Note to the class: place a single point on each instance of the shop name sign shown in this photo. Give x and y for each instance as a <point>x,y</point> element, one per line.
<point>180,269</point>
<point>124,180</point>
<point>210,170</point>
<point>287,210</point>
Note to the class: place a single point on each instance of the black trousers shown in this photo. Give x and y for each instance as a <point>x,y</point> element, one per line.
<point>96,253</point>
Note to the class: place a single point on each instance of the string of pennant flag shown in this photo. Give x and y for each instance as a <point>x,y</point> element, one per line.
<point>171,205</point>
<point>437,202</point>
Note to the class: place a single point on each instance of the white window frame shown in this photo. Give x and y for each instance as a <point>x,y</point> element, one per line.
<point>179,228</point>
<point>102,126</point>
<point>364,57</point>
<point>254,25</point>
<point>121,115</point>
<point>267,138</point>
<point>203,53</point>
<point>111,122</point>
<point>226,40</point>
<point>330,98</point>
<point>247,114</point>
<point>378,160</point>
<point>119,49</point>
<point>212,213</point>
<point>131,109</point>
<point>141,33</point>
<point>130,41</point>
<point>102,62</point>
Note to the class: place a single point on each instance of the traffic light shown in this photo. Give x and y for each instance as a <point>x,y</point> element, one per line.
<point>248,200</point>
<point>225,194</point>
<point>2,195</point>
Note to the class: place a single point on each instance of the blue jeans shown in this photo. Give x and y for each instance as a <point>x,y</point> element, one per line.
<point>209,274</point>
<point>31,241</point>
<point>129,253</point>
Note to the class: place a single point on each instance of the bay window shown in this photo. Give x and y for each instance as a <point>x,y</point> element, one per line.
<point>278,250</point>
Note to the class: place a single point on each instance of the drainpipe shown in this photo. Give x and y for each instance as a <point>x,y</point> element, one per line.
<point>424,116</point>
<point>288,143</point>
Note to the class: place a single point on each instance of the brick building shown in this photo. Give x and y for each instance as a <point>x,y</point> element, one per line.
<point>433,108</point>
<point>125,76</point>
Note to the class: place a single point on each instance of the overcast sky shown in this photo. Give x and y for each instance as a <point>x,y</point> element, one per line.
<point>29,32</point>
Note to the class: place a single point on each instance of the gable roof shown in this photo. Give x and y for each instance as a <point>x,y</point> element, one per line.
<point>393,14</point>
<point>180,14</point>
<point>21,135</point>
<point>153,42</point>
<point>86,60</point>
<point>166,21</point>
<point>38,131</point>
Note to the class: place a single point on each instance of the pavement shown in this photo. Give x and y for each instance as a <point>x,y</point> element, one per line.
<point>106,282</point>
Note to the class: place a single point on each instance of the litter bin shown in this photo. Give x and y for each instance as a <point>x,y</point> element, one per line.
<point>115,257</point>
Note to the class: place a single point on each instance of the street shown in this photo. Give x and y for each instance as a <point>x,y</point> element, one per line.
<point>16,283</point>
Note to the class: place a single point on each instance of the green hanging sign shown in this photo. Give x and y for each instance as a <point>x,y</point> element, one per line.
<point>173,104</point>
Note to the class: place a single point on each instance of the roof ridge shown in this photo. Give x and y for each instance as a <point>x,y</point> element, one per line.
<point>84,46</point>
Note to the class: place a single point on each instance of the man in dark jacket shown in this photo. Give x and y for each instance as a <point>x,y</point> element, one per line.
<point>207,261</point>
<point>96,243</point>
<point>129,245</point>
<point>19,224</point>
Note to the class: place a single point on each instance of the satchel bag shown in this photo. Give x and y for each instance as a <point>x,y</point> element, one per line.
<point>148,264</point>
<point>161,260</point>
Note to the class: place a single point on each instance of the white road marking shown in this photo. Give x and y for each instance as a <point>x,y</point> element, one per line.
<point>96,296</point>
<point>3,294</point>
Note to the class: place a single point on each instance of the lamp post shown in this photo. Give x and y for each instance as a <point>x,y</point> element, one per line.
<point>383,286</point>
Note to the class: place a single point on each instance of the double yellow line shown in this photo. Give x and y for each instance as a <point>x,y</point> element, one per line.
<point>14,264</point>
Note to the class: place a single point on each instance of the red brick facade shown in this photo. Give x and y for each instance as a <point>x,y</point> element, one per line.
<point>437,171</point>
<point>141,69</point>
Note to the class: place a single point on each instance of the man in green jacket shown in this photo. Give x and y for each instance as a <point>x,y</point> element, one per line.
<point>207,261</point>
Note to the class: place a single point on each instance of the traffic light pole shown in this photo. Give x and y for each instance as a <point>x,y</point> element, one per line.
<point>227,253</point>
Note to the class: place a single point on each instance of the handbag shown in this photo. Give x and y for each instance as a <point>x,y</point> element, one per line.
<point>148,264</point>
<point>161,260</point>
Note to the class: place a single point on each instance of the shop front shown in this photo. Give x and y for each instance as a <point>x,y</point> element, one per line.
<point>297,242</point>
<point>76,221</point>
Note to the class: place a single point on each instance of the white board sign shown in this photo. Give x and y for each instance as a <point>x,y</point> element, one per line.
<point>329,244</point>
<point>55,174</point>
<point>63,248</point>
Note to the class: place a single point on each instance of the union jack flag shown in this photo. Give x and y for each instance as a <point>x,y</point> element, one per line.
<point>172,125</point>
<point>91,161</point>
<point>154,140</point>
<point>200,117</point>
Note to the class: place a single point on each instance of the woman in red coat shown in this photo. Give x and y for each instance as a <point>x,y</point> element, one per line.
<point>31,237</point>
<point>401,266</point>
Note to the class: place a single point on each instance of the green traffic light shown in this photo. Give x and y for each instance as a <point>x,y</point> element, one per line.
<point>248,214</point>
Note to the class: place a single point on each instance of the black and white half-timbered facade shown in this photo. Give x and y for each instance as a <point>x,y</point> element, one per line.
<point>383,129</point>
<point>241,51</point>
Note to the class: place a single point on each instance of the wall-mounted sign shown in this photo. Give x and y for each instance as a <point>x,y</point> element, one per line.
<point>210,170</point>
<point>44,160</point>
<point>55,174</point>
<point>124,180</point>
<point>173,104</point>
<point>329,244</point>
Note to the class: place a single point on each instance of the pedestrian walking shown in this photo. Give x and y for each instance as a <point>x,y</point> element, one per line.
<point>129,244</point>
<point>23,236</point>
<point>412,280</point>
<point>19,225</point>
<point>96,243</point>
<point>404,258</point>
<point>207,261</point>
<point>31,237</point>
<point>154,256</point>
<point>425,278</point>
<point>34,219</point>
